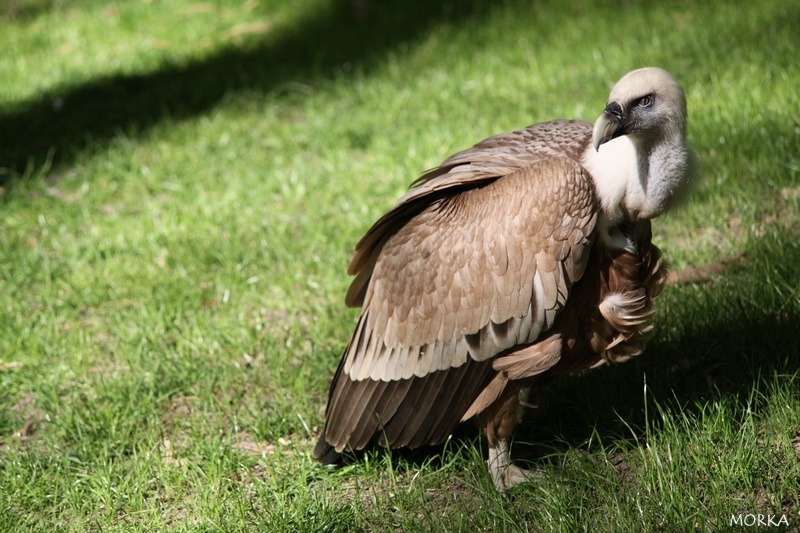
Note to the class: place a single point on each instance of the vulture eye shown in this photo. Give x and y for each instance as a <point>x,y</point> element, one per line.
<point>647,101</point>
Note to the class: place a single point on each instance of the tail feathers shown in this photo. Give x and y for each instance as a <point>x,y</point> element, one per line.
<point>324,452</point>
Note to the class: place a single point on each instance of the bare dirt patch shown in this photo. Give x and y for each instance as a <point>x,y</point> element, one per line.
<point>707,272</point>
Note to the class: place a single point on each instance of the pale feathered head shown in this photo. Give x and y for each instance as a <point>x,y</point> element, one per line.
<point>647,104</point>
<point>648,108</point>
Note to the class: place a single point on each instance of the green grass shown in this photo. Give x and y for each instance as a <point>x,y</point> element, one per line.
<point>182,184</point>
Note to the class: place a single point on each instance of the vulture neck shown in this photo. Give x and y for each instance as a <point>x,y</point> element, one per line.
<point>638,177</point>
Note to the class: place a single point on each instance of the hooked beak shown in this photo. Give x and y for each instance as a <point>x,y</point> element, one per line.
<point>608,125</point>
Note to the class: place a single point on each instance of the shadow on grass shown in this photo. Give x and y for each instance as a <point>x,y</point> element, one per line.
<point>737,334</point>
<point>24,9</point>
<point>57,127</point>
<point>324,44</point>
<point>728,359</point>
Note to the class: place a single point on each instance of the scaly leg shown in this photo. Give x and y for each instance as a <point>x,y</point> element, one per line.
<point>499,422</point>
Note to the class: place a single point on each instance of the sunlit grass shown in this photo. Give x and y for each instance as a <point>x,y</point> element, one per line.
<point>183,183</point>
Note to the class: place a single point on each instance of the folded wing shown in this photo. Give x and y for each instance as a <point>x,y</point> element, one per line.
<point>468,272</point>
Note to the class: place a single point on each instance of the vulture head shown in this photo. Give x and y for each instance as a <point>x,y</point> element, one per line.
<point>647,103</point>
<point>642,161</point>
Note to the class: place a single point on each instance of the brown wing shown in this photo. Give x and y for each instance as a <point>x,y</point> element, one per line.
<point>472,275</point>
<point>488,160</point>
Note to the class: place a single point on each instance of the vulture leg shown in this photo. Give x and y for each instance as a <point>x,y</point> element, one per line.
<point>499,422</point>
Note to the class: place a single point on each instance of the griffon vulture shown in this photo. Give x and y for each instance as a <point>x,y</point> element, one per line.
<point>518,260</point>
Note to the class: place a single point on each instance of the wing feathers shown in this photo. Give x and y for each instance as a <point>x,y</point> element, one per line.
<point>530,360</point>
<point>396,413</point>
<point>409,309</point>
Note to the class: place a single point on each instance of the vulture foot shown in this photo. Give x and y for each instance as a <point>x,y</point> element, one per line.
<point>505,474</point>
